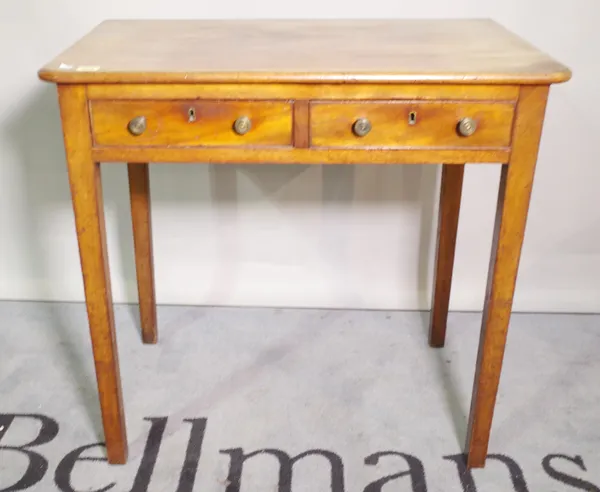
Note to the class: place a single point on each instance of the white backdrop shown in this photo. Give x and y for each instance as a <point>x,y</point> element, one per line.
<point>339,236</point>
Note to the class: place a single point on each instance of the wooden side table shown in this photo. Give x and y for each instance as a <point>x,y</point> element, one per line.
<point>310,92</point>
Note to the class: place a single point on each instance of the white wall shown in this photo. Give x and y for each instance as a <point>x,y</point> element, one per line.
<point>299,236</point>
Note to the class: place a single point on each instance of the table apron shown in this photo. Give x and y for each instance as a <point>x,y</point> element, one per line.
<point>291,155</point>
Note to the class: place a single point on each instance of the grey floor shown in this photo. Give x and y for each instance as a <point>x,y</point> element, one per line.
<point>352,383</point>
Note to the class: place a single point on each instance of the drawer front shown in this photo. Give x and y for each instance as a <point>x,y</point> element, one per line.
<point>191,123</point>
<point>398,124</point>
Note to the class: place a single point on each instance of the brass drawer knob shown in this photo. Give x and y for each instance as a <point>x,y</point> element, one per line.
<point>361,127</point>
<point>466,127</point>
<point>137,125</point>
<point>242,125</point>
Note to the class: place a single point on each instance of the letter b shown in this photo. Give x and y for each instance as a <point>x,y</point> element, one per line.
<point>38,465</point>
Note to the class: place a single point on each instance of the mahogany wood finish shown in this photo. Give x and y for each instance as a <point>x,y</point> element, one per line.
<point>172,91</point>
<point>189,123</point>
<point>410,124</point>
<point>516,181</point>
<point>450,192</point>
<point>295,155</point>
<point>86,191</point>
<point>325,91</point>
<point>301,124</point>
<point>139,192</point>
<point>472,51</point>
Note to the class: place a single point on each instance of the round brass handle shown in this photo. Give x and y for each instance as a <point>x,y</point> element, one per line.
<point>242,125</point>
<point>361,127</point>
<point>137,125</point>
<point>466,127</point>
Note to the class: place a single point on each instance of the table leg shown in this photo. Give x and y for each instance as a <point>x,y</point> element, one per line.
<point>513,202</point>
<point>450,192</point>
<point>86,192</point>
<point>139,190</point>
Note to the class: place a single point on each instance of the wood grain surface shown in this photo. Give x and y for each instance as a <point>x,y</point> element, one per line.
<point>291,155</point>
<point>516,182</point>
<point>141,218</point>
<point>449,209</point>
<point>301,124</point>
<point>329,91</point>
<point>416,51</point>
<point>168,122</point>
<point>303,84</point>
<point>86,193</point>
<point>434,126</point>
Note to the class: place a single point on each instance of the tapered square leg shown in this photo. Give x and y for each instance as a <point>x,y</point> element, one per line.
<point>86,192</point>
<point>139,190</point>
<point>450,193</point>
<point>513,202</point>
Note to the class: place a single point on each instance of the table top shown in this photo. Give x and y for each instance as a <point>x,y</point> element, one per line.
<point>303,51</point>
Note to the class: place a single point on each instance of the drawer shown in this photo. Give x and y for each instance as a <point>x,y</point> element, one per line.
<point>191,123</point>
<point>410,124</point>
